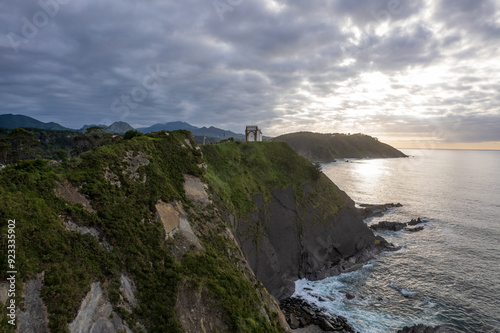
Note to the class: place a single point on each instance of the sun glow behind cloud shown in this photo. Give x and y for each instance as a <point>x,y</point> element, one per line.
<point>340,66</point>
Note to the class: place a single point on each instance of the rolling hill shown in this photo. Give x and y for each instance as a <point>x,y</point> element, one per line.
<point>328,147</point>
<point>11,121</point>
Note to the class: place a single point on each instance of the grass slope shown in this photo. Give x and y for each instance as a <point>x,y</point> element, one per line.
<point>238,170</point>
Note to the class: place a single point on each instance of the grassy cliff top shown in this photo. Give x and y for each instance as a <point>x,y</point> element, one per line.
<point>327,147</point>
<point>238,170</point>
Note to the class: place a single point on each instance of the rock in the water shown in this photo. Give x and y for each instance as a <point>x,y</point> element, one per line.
<point>413,229</point>
<point>396,226</point>
<point>420,328</point>
<point>415,221</point>
<point>299,314</point>
<point>385,225</point>
<point>325,325</point>
<point>368,210</point>
<point>348,295</point>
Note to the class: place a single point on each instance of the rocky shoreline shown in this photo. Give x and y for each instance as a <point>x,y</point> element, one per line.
<point>356,261</point>
<point>300,314</point>
<point>380,245</point>
<point>303,317</point>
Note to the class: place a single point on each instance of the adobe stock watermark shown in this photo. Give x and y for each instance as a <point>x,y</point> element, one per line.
<point>39,20</point>
<point>393,7</point>
<point>222,7</point>
<point>151,81</point>
<point>11,271</point>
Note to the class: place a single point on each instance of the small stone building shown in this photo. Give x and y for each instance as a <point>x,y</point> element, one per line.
<point>253,134</point>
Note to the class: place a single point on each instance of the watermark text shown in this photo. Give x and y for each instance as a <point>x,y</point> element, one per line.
<point>11,266</point>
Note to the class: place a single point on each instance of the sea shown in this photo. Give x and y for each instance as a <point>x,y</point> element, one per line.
<point>447,274</point>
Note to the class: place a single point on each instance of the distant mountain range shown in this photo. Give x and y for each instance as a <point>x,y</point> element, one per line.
<point>211,132</point>
<point>171,126</point>
<point>10,121</point>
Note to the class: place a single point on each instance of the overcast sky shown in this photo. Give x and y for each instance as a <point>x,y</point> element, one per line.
<point>408,72</point>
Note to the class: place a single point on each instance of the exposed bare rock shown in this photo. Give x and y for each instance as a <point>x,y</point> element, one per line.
<point>96,314</point>
<point>4,290</point>
<point>198,311</point>
<point>196,190</point>
<point>127,290</point>
<point>105,243</point>
<point>203,166</point>
<point>111,177</point>
<point>72,226</point>
<point>33,318</point>
<point>356,261</point>
<point>169,215</point>
<point>70,193</point>
<point>386,225</point>
<point>134,163</point>
<point>175,223</point>
<point>301,314</point>
<point>188,143</point>
<point>369,210</point>
<point>396,226</point>
<point>415,221</point>
<point>281,248</point>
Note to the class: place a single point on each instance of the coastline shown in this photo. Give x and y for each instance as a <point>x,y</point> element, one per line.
<point>300,307</point>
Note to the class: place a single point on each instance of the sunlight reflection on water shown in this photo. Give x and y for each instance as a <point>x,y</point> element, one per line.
<point>451,265</point>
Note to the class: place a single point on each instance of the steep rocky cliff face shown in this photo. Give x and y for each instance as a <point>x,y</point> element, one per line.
<point>290,220</point>
<point>125,238</point>
<point>298,241</point>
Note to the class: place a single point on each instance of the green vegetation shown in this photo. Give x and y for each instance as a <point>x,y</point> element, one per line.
<point>125,218</point>
<point>21,144</point>
<point>27,144</point>
<point>239,170</point>
<point>328,147</point>
<point>236,293</point>
<point>131,134</point>
<point>93,137</point>
<point>70,261</point>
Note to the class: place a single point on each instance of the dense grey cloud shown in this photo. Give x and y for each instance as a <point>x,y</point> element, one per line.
<point>331,66</point>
